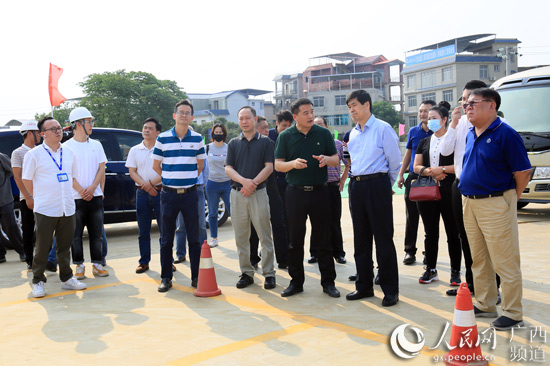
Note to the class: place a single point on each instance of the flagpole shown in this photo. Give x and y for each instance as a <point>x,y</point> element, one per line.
<point>52,111</point>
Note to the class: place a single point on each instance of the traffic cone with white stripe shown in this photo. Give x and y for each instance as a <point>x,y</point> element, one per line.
<point>206,284</point>
<point>464,346</point>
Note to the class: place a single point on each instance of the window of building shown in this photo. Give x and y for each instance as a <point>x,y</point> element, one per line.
<point>318,101</point>
<point>412,101</point>
<point>411,82</point>
<point>340,100</point>
<point>447,74</point>
<point>448,96</point>
<point>484,71</point>
<point>496,68</point>
<point>412,121</point>
<point>253,104</point>
<point>428,96</point>
<point>337,120</point>
<point>216,105</point>
<point>427,79</point>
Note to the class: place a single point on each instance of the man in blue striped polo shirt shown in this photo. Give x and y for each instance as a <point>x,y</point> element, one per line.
<point>179,159</point>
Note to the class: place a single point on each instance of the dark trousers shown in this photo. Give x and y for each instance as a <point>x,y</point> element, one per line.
<point>63,228</point>
<point>171,204</point>
<point>300,205</point>
<point>88,214</point>
<point>146,206</point>
<point>27,223</point>
<point>9,225</point>
<point>430,212</point>
<point>336,239</point>
<point>459,221</point>
<point>411,225</point>
<point>372,217</point>
<point>278,227</point>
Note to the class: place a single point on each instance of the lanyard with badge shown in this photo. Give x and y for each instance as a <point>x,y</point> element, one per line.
<point>61,177</point>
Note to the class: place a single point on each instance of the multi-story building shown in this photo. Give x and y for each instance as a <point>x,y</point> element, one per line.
<point>440,71</point>
<point>225,104</point>
<point>328,83</point>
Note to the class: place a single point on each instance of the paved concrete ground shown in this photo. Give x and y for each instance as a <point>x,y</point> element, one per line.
<point>123,320</point>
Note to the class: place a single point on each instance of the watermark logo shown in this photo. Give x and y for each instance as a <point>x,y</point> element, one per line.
<point>401,346</point>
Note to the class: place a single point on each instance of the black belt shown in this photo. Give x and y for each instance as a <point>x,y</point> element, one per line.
<point>239,188</point>
<point>308,188</point>
<point>180,190</point>
<point>333,184</point>
<point>480,196</point>
<point>360,178</point>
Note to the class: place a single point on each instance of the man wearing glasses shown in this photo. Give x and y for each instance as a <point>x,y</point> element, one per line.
<point>495,172</point>
<point>47,176</point>
<point>87,191</point>
<point>179,160</point>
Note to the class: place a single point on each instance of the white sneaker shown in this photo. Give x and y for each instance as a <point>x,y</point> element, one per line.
<point>99,271</point>
<point>73,284</point>
<point>80,270</point>
<point>214,243</point>
<point>38,289</point>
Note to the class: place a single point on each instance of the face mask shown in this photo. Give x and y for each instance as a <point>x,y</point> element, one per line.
<point>217,137</point>
<point>434,124</point>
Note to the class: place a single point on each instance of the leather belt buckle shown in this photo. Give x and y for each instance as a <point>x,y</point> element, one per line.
<point>308,188</point>
<point>181,190</point>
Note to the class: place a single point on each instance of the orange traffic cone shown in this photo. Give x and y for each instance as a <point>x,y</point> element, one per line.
<point>464,346</point>
<point>206,284</point>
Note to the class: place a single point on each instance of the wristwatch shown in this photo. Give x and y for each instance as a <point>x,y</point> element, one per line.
<point>443,169</point>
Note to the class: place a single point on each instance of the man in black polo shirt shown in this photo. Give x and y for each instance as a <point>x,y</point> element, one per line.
<point>249,163</point>
<point>303,152</point>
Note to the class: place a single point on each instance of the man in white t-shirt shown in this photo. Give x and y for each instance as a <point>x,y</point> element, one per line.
<point>87,191</point>
<point>148,184</point>
<point>47,175</point>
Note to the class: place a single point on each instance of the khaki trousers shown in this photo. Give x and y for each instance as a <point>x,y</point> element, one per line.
<point>492,228</point>
<point>254,208</point>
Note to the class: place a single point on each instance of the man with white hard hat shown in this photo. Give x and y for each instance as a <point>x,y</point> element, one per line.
<point>31,138</point>
<point>87,191</point>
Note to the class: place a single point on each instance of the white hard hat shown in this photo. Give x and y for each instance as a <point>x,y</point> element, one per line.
<point>79,113</point>
<point>28,126</point>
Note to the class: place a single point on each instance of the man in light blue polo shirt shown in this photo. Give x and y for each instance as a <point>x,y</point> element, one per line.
<point>179,159</point>
<point>495,172</point>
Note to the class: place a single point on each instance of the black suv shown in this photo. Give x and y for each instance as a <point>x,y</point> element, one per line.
<point>120,192</point>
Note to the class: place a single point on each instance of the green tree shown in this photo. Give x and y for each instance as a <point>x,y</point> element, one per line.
<point>233,129</point>
<point>61,113</point>
<point>385,111</point>
<point>125,99</point>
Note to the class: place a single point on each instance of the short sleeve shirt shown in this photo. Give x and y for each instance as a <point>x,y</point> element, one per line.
<point>141,158</point>
<point>416,134</point>
<point>491,159</point>
<point>88,156</point>
<point>293,144</point>
<point>248,158</point>
<point>18,155</point>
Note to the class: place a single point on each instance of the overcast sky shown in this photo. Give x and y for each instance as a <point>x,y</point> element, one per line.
<point>210,45</point>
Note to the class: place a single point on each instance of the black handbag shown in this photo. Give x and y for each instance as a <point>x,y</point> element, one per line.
<point>424,189</point>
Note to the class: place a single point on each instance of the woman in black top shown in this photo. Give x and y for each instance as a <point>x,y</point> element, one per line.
<point>441,168</point>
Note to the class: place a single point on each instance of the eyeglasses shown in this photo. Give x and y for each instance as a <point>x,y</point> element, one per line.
<point>181,113</point>
<point>473,103</point>
<point>54,129</point>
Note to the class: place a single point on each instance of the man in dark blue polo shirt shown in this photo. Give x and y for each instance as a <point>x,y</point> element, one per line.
<point>496,170</point>
<point>416,134</point>
<point>303,152</point>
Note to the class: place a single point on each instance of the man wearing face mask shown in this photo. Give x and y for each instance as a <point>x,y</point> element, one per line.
<point>416,134</point>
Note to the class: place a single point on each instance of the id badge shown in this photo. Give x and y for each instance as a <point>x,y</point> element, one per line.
<point>62,177</point>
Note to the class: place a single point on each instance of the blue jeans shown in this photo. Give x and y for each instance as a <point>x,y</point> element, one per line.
<point>181,234</point>
<point>171,204</point>
<point>89,214</point>
<point>214,191</point>
<point>145,206</point>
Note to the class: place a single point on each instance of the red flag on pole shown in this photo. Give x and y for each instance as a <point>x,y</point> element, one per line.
<point>55,96</point>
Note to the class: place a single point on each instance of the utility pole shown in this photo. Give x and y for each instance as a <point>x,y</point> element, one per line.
<point>506,53</point>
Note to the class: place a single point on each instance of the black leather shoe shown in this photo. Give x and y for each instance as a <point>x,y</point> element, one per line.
<point>331,290</point>
<point>312,259</point>
<point>174,269</point>
<point>244,281</point>
<point>409,259</point>
<point>194,283</point>
<point>165,285</point>
<point>390,300</point>
<point>292,289</point>
<point>356,295</point>
<point>180,260</point>
<point>283,265</point>
<point>341,259</point>
<point>377,279</point>
<point>352,277</point>
<point>270,283</point>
